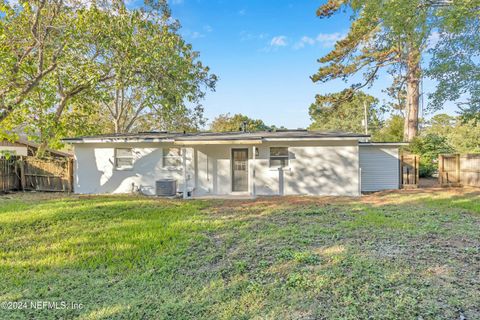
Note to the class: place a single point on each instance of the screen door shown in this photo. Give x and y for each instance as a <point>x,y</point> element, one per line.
<point>239,169</point>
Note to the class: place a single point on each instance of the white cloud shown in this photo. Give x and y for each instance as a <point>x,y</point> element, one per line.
<point>247,36</point>
<point>196,35</point>
<point>308,40</point>
<point>324,39</point>
<point>242,12</point>
<point>278,41</point>
<point>304,41</point>
<point>329,39</point>
<point>207,28</point>
<point>262,35</point>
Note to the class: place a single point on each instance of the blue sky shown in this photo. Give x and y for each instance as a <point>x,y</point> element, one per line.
<point>264,52</point>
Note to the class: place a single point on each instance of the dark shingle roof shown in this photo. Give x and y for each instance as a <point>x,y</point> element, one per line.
<point>212,136</point>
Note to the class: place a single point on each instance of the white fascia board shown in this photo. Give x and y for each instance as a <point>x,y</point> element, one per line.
<point>312,139</point>
<point>200,142</point>
<point>383,144</point>
<point>86,141</point>
<point>217,142</point>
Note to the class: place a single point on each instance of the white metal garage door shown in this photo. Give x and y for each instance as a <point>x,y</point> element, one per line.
<point>380,168</point>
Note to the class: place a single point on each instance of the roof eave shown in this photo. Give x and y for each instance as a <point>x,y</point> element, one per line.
<point>206,141</point>
<point>398,144</point>
<point>217,142</point>
<point>313,138</point>
<point>115,140</point>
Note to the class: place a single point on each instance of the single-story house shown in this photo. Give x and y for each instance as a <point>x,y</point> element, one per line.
<point>282,162</point>
<point>24,147</point>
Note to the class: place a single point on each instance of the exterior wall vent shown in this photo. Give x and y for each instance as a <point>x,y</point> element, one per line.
<point>166,187</point>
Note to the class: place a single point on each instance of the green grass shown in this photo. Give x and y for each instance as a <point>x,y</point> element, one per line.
<point>409,255</point>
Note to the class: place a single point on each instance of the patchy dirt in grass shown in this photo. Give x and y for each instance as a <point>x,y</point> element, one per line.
<point>310,241</point>
<point>411,254</point>
<point>377,198</point>
<point>34,196</point>
<point>265,203</point>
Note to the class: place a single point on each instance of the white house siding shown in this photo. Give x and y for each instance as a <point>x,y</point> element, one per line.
<point>315,168</point>
<point>379,168</point>
<point>95,172</point>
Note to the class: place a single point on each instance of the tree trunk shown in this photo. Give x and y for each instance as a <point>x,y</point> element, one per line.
<point>413,95</point>
<point>116,125</point>
<point>42,148</point>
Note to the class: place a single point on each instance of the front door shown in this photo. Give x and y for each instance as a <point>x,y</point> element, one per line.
<point>239,169</point>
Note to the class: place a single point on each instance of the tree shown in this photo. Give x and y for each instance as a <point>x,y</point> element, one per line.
<point>228,123</point>
<point>463,136</point>
<point>391,131</point>
<point>32,43</point>
<point>441,124</point>
<point>334,112</point>
<point>444,134</point>
<point>151,89</point>
<point>428,147</point>
<point>389,35</point>
<point>46,62</point>
<point>455,64</point>
<point>130,65</point>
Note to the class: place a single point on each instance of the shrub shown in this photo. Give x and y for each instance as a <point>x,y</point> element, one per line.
<point>428,147</point>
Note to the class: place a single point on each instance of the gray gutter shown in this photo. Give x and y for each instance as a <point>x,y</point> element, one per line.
<point>393,144</point>
<point>212,137</point>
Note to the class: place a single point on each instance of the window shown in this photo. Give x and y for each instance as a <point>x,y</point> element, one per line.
<point>172,157</point>
<point>278,157</point>
<point>123,158</point>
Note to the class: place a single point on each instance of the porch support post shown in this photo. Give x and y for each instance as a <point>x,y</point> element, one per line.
<point>280,181</point>
<point>184,158</point>
<point>195,169</point>
<point>254,192</point>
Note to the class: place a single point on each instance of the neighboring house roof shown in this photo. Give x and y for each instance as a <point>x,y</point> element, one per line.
<point>33,145</point>
<point>205,137</point>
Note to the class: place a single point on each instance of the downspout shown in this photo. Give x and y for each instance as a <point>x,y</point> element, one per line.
<point>359,172</point>
<point>359,181</point>
<point>280,181</point>
<point>185,181</point>
<point>195,170</point>
<point>253,171</point>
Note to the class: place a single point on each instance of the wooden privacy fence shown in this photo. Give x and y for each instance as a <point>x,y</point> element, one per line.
<point>29,173</point>
<point>8,175</point>
<point>456,169</point>
<point>409,170</point>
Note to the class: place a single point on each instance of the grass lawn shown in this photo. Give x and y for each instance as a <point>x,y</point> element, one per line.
<point>406,255</point>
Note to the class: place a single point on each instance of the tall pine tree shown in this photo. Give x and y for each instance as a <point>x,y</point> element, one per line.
<point>384,34</point>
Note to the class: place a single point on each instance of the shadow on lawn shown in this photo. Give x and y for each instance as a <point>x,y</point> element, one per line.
<point>69,233</point>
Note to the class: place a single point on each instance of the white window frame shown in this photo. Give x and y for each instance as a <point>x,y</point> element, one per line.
<point>165,152</point>
<point>116,157</point>
<point>287,157</point>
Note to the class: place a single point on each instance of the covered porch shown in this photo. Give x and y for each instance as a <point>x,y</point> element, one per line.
<point>221,168</point>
